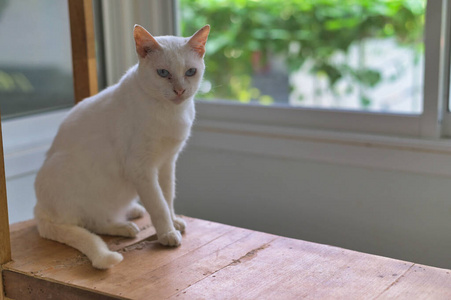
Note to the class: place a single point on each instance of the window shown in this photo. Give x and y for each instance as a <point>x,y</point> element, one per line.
<point>359,55</point>
<point>35,57</point>
<point>420,116</point>
<point>35,69</point>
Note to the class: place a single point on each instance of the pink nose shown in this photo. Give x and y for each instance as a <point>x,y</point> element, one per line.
<point>178,92</point>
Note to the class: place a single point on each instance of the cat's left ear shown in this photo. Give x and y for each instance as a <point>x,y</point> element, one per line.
<point>145,42</point>
<point>199,39</point>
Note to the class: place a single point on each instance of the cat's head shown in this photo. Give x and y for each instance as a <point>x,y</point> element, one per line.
<point>171,68</point>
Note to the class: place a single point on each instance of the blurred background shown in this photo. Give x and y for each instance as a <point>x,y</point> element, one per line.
<point>358,55</point>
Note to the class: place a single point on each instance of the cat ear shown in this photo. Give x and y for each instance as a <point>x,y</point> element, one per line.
<point>199,39</point>
<point>144,41</point>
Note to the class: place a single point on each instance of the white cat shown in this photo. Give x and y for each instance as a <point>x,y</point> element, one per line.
<point>122,144</point>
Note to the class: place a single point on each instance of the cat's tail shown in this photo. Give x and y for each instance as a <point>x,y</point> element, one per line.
<point>81,239</point>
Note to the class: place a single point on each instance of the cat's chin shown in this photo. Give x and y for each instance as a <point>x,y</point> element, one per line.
<point>178,100</point>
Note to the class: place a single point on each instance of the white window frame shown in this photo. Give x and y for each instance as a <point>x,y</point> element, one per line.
<point>444,64</point>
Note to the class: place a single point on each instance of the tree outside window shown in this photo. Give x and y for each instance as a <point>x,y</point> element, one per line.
<point>354,54</point>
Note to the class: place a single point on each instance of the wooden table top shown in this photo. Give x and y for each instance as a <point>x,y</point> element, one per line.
<point>215,261</point>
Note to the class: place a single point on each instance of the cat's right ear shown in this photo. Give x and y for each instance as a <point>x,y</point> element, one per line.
<point>199,39</point>
<point>144,41</point>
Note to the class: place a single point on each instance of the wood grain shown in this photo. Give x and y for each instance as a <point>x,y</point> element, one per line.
<point>23,287</point>
<point>217,261</point>
<point>83,49</point>
<point>429,282</point>
<point>276,271</point>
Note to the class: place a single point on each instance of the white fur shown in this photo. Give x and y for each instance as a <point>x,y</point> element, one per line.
<point>116,146</point>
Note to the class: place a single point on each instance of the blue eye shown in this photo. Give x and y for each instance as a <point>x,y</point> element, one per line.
<point>163,72</point>
<point>191,72</point>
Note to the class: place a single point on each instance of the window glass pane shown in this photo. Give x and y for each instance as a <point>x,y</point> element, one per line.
<point>353,55</point>
<point>35,56</point>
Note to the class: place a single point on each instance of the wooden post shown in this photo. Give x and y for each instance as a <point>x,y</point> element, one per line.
<point>83,48</point>
<point>5,243</point>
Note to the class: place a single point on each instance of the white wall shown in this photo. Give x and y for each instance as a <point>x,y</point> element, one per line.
<point>21,198</point>
<point>394,214</point>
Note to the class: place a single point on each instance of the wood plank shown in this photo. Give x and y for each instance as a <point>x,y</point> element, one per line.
<point>54,261</point>
<point>429,282</point>
<point>22,225</point>
<point>23,287</point>
<point>83,49</point>
<point>196,265</point>
<point>288,269</point>
<point>135,272</point>
<point>221,261</point>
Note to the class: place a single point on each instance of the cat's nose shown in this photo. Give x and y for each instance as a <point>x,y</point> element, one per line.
<point>179,92</point>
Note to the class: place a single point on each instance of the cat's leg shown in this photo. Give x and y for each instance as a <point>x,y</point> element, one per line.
<point>152,198</point>
<point>135,211</point>
<point>166,178</point>
<point>126,228</point>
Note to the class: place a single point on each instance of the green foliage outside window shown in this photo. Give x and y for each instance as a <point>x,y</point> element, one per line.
<point>245,33</point>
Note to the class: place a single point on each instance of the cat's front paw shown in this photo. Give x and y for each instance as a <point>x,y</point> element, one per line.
<point>179,224</point>
<point>171,238</point>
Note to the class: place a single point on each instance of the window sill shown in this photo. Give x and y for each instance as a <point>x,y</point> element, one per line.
<point>362,150</point>
<point>322,119</point>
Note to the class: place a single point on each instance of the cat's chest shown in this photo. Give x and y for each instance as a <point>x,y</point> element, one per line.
<point>174,127</point>
<point>167,134</point>
<point>165,144</point>
<point>160,133</point>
